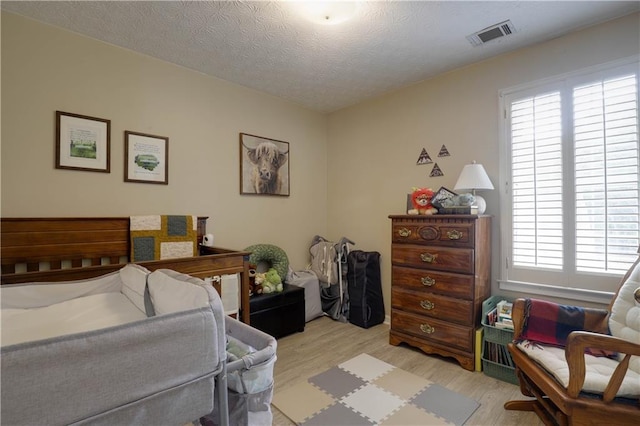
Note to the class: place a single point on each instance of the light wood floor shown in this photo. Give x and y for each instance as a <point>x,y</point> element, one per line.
<point>325,343</point>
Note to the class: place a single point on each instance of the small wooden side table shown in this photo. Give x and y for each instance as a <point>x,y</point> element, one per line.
<point>232,262</point>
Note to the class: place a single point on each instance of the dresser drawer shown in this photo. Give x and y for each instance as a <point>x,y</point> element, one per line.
<point>433,305</point>
<point>448,334</point>
<point>434,233</point>
<point>431,257</point>
<point>454,285</point>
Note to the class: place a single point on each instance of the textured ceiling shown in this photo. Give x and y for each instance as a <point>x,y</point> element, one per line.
<point>270,47</point>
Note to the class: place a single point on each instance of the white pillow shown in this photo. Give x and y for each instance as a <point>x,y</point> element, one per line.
<point>134,279</point>
<point>624,321</point>
<point>174,294</point>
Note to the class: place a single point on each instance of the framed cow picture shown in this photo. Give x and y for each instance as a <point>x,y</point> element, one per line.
<point>264,166</point>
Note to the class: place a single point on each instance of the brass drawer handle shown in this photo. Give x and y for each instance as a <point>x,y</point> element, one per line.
<point>454,235</point>
<point>428,257</point>
<point>427,329</point>
<point>427,305</point>
<point>404,232</point>
<point>428,281</point>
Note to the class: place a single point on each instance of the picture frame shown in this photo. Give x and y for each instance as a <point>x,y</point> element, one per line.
<point>83,142</point>
<point>264,166</point>
<point>441,195</point>
<point>146,158</point>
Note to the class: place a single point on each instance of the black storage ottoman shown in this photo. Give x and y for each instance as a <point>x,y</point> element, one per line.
<point>279,314</point>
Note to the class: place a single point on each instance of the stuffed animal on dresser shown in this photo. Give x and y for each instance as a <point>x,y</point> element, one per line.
<point>421,201</point>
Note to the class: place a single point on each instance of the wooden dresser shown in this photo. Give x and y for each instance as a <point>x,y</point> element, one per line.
<point>440,276</point>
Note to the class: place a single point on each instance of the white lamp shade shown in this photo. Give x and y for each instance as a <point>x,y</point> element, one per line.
<point>473,176</point>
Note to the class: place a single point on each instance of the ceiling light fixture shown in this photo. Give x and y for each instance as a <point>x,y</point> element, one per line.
<point>327,12</point>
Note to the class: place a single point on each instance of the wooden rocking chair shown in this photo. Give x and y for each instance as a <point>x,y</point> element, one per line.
<point>570,404</point>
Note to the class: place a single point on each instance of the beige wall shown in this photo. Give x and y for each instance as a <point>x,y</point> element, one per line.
<point>348,171</point>
<point>373,147</point>
<point>45,69</point>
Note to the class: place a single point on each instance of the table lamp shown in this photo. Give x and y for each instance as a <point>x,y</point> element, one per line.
<point>473,177</point>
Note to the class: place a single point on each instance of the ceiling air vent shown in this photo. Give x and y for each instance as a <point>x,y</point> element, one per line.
<point>491,33</point>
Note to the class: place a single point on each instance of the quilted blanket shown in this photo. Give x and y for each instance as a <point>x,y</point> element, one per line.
<point>163,237</point>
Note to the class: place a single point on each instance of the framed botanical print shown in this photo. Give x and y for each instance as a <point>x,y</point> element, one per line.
<point>83,142</point>
<point>146,158</point>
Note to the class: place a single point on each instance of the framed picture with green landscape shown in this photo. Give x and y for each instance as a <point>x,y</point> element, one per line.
<point>146,158</point>
<point>83,142</point>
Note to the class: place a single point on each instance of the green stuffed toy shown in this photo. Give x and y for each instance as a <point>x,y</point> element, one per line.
<point>272,255</point>
<point>270,281</point>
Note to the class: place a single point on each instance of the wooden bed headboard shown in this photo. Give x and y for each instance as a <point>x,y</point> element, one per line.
<point>34,244</point>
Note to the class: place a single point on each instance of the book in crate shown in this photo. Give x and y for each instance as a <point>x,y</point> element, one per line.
<point>500,316</point>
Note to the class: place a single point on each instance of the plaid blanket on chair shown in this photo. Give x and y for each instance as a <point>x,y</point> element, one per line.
<point>550,323</point>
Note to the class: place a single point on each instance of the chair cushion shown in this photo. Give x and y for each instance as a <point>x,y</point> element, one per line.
<point>624,321</point>
<point>598,369</point>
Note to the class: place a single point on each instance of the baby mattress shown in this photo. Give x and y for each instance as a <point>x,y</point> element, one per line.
<point>72,316</point>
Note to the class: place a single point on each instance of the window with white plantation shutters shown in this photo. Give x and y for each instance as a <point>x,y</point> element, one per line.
<point>606,174</point>
<point>536,158</point>
<point>571,216</point>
